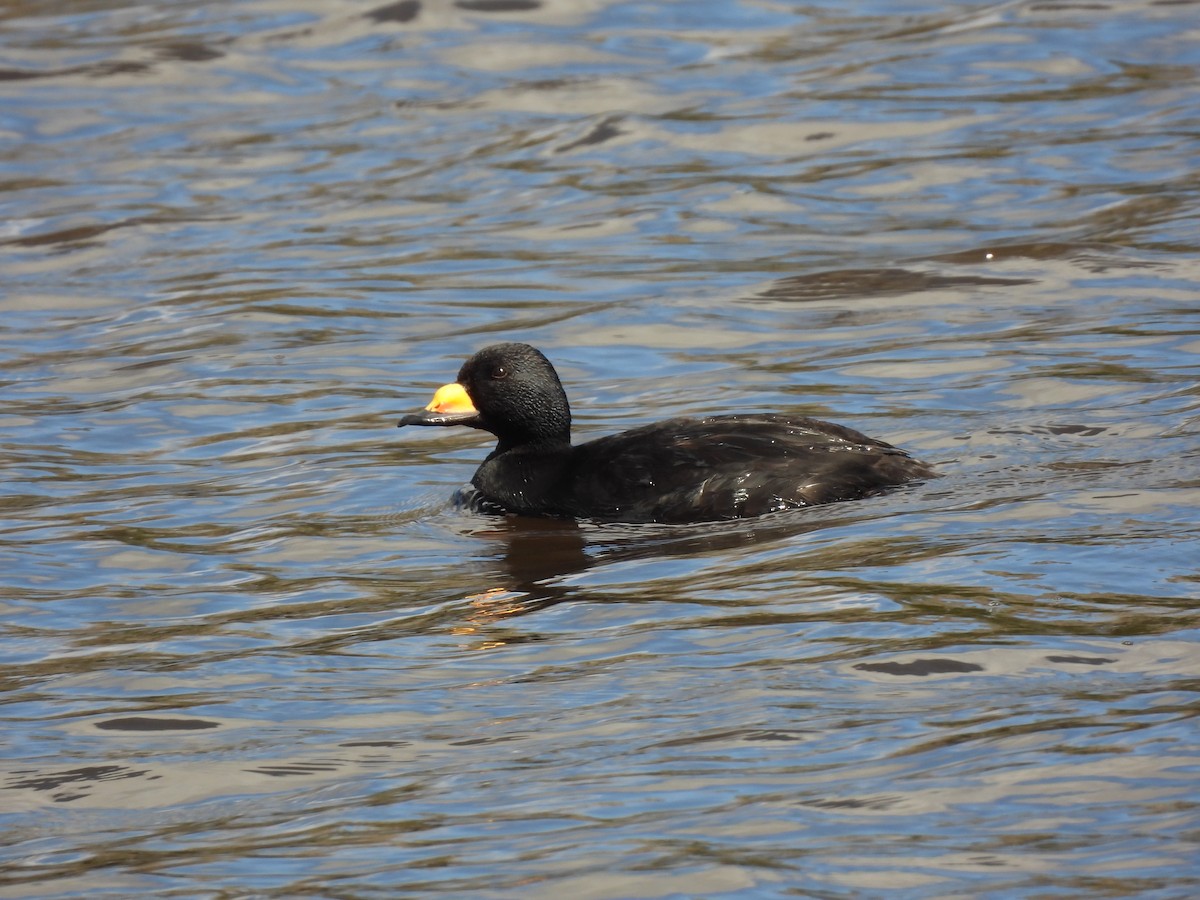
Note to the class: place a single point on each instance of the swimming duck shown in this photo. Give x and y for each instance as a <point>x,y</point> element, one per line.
<point>675,471</point>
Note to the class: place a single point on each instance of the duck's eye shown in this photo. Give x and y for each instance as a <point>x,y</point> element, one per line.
<point>499,372</point>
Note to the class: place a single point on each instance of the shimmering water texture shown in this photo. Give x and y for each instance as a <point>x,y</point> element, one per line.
<point>252,649</point>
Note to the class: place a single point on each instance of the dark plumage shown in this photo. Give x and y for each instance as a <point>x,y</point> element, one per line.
<point>675,471</point>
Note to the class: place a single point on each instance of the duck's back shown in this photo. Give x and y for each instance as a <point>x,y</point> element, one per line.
<point>726,467</point>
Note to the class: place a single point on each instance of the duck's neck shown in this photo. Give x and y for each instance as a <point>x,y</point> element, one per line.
<point>555,444</point>
<point>526,478</point>
<point>542,427</point>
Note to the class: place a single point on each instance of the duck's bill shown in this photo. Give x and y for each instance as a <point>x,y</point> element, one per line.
<point>449,406</point>
<point>429,418</point>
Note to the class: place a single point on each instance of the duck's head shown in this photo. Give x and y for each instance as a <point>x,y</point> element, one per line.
<point>510,390</point>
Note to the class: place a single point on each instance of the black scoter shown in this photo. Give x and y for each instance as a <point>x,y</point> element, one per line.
<point>675,471</point>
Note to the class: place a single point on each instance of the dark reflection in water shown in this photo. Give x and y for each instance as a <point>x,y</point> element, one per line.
<point>537,557</point>
<point>864,283</point>
<point>76,780</point>
<point>920,667</point>
<point>404,11</point>
<point>148,723</point>
<point>534,550</point>
<point>497,6</point>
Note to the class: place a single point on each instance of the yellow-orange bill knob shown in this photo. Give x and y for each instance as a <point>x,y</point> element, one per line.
<point>451,398</point>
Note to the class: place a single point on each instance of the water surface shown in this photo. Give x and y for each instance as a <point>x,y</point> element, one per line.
<point>250,646</point>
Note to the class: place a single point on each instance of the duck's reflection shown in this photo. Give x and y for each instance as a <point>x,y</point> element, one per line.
<point>533,554</point>
<point>536,556</point>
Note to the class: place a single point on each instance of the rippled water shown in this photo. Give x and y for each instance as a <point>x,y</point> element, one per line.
<point>250,647</point>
